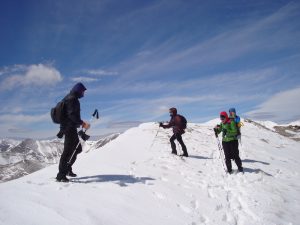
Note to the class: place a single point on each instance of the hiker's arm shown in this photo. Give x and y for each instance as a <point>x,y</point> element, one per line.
<point>218,128</point>
<point>169,125</point>
<point>73,111</point>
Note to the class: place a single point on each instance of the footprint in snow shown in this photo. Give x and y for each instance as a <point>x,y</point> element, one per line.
<point>219,207</point>
<point>195,204</point>
<point>163,179</point>
<point>184,208</point>
<point>159,195</point>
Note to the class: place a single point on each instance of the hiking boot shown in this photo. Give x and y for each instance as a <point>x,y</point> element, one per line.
<point>175,153</point>
<point>71,174</point>
<point>63,179</point>
<point>229,171</point>
<point>241,169</point>
<point>185,155</point>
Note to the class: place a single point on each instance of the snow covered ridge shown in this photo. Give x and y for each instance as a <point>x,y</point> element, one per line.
<point>291,130</point>
<point>134,180</point>
<point>19,158</point>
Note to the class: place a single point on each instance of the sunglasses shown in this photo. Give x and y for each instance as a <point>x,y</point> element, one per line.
<point>222,117</point>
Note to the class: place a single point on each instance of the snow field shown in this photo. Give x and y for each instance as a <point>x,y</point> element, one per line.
<point>135,180</point>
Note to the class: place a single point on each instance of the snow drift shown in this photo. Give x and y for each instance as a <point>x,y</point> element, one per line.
<point>134,180</point>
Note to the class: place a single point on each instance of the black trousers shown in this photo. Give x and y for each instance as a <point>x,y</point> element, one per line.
<point>231,151</point>
<point>173,145</point>
<point>71,141</point>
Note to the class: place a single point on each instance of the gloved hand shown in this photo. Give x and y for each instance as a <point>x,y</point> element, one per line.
<point>86,125</point>
<point>216,131</point>
<point>160,124</point>
<point>216,127</point>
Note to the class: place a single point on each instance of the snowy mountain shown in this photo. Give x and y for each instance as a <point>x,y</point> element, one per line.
<point>19,158</point>
<point>134,180</point>
<point>291,130</point>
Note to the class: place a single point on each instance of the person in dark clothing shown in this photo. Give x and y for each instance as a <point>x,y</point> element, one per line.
<point>69,127</point>
<point>229,142</point>
<point>178,130</point>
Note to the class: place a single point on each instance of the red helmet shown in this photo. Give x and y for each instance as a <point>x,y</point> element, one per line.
<point>173,111</point>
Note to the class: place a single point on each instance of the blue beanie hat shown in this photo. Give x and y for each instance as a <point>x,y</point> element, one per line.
<point>232,110</point>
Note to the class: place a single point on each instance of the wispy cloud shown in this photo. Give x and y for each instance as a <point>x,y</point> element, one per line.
<point>24,119</point>
<point>282,107</point>
<point>101,72</point>
<point>18,130</point>
<point>244,82</point>
<point>123,125</point>
<point>35,75</point>
<point>6,70</point>
<point>262,35</point>
<point>84,79</point>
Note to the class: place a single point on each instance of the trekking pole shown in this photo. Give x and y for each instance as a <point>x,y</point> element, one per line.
<point>83,135</point>
<point>220,150</point>
<point>154,138</point>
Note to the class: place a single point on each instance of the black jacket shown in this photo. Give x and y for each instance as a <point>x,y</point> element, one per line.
<point>72,111</point>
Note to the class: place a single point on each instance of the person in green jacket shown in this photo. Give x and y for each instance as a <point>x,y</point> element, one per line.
<point>229,142</point>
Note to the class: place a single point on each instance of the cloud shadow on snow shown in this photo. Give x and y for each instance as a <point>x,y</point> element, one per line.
<point>122,180</point>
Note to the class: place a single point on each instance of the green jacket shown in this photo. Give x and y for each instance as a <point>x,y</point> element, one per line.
<point>229,130</point>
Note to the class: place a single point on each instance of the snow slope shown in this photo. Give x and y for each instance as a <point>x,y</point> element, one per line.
<point>134,180</point>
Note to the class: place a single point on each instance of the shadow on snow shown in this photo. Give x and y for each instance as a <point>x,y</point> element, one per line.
<point>254,161</point>
<point>122,180</point>
<point>198,157</point>
<point>257,171</point>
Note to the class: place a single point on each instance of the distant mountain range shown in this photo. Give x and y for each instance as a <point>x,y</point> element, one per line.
<point>19,158</point>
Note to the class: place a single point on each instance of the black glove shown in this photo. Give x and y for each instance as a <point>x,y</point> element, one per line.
<point>60,134</point>
<point>83,135</point>
<point>216,131</point>
<point>160,124</point>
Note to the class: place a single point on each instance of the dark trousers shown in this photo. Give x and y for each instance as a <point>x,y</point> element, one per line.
<point>231,151</point>
<point>173,145</point>
<point>71,141</point>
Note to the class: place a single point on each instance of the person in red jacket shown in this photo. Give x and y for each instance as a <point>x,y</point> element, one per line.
<point>176,122</point>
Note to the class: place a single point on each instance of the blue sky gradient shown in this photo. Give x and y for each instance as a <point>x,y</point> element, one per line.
<point>139,58</point>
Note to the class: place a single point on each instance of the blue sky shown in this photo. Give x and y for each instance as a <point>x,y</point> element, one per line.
<point>139,58</point>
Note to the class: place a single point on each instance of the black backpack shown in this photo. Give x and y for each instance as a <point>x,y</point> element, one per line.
<point>58,113</point>
<point>183,121</point>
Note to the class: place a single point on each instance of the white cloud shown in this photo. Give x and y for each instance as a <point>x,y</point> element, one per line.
<point>84,79</point>
<point>36,75</point>
<point>282,107</point>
